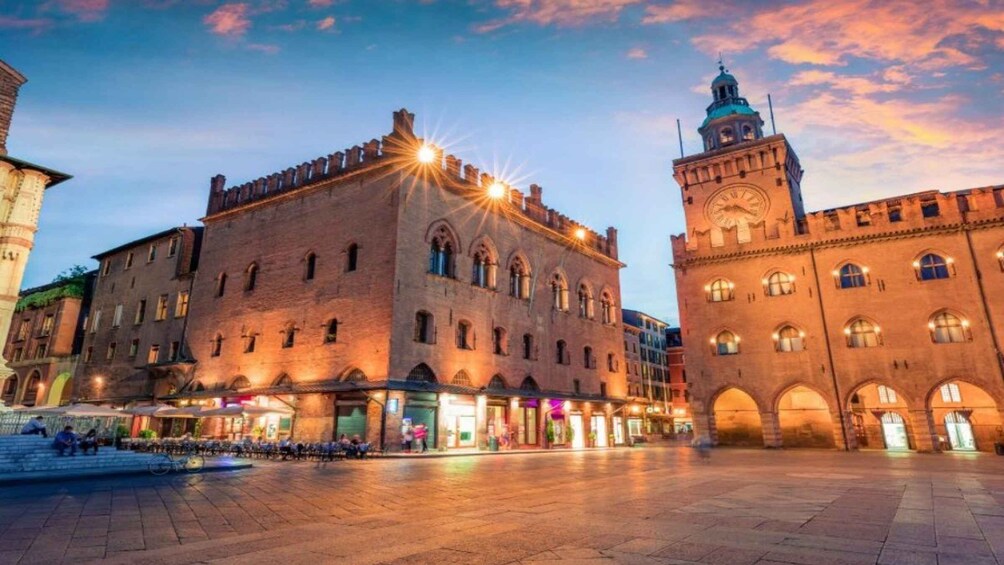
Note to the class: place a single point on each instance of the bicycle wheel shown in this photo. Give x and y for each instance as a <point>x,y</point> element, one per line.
<point>195,463</point>
<point>160,465</point>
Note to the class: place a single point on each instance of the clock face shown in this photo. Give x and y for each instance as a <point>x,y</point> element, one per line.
<point>736,205</point>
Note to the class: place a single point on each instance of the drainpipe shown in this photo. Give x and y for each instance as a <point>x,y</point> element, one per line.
<point>829,351</point>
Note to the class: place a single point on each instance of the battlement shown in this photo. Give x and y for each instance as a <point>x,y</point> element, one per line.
<point>890,217</point>
<point>399,149</point>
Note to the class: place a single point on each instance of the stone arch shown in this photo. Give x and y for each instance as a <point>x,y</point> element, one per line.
<point>806,417</point>
<point>353,375</point>
<point>461,379</point>
<point>422,373</point>
<point>443,226</point>
<point>283,380</point>
<point>239,382</point>
<point>867,404</point>
<point>734,417</point>
<point>59,391</point>
<point>497,382</point>
<point>29,396</point>
<point>970,403</point>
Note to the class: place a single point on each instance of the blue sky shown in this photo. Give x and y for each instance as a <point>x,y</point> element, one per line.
<point>144,100</point>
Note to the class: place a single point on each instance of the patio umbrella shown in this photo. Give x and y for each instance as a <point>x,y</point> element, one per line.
<point>36,409</point>
<point>244,411</point>
<point>151,410</point>
<point>86,411</point>
<point>186,412</point>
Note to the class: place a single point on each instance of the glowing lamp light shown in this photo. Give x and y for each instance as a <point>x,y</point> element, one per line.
<point>567,405</point>
<point>426,154</point>
<point>930,325</point>
<point>965,323</point>
<point>737,339</point>
<point>775,336</point>
<point>496,190</point>
<point>916,264</point>
<point>732,285</point>
<point>634,408</point>
<point>864,270</point>
<point>98,380</point>
<point>764,281</point>
<point>580,233</point>
<point>707,288</point>
<point>836,273</point>
<point>712,341</point>
<point>791,278</point>
<point>878,330</point>
<point>847,331</point>
<point>801,334</point>
<point>1000,254</point>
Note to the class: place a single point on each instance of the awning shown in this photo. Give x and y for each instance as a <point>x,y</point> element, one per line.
<point>247,411</point>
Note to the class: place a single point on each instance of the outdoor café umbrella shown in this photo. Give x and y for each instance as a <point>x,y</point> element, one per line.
<point>186,412</point>
<point>86,411</point>
<point>157,410</point>
<point>244,411</point>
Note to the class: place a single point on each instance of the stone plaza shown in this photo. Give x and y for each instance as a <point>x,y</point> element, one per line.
<point>641,505</point>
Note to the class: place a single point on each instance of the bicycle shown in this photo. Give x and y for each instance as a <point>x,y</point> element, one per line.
<point>165,463</point>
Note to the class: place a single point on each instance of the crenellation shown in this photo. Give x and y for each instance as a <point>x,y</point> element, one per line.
<point>353,156</point>
<point>371,150</point>
<point>453,166</point>
<point>336,163</point>
<point>318,168</point>
<point>471,174</point>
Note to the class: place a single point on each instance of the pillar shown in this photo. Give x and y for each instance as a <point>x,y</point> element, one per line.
<point>924,434</point>
<point>544,413</point>
<point>704,426</point>
<point>843,423</point>
<point>771,424</point>
<point>587,424</point>
<point>481,420</point>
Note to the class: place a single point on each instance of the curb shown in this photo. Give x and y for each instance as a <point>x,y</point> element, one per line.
<point>97,474</point>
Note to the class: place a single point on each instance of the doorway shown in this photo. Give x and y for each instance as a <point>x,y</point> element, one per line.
<point>960,432</point>
<point>578,431</point>
<point>894,431</point>
<point>600,429</point>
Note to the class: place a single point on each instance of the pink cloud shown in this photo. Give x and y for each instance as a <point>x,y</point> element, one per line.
<point>326,23</point>
<point>33,24</point>
<point>637,53</point>
<point>229,19</point>
<point>679,11</point>
<point>562,13</point>
<point>320,3</point>
<point>84,10</point>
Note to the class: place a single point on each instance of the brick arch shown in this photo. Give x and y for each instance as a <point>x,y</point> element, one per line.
<point>756,399</point>
<point>422,373</point>
<point>486,240</point>
<point>239,382</point>
<point>907,399</point>
<point>793,384</point>
<point>283,380</point>
<point>435,226</point>
<point>990,391</point>
<point>353,374</point>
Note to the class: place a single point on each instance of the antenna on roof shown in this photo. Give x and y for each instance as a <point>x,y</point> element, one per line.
<point>679,133</point>
<point>770,105</point>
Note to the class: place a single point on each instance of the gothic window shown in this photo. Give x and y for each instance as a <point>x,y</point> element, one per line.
<point>497,383</point>
<point>351,258</point>
<point>217,346</point>
<point>519,279</point>
<point>932,267</point>
<point>465,335</point>
<point>725,343</point>
<point>559,292</point>
<point>462,379</point>
<point>331,331</point>
<point>422,373</point>
<point>309,266</point>
<point>240,383</point>
<point>500,342</point>
<point>528,350</point>
<point>779,284</point>
<point>851,276</point>
<point>862,333</point>
<point>789,340</point>
<point>251,277</point>
<point>441,254</point>
<point>948,328</point>
<point>425,329</point>
<point>607,308</point>
<point>485,267</point>
<point>585,302</point>
<point>720,290</point>
<point>529,385</point>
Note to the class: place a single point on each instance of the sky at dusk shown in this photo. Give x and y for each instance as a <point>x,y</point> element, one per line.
<point>142,101</point>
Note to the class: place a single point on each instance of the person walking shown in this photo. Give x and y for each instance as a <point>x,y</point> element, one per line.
<point>408,438</point>
<point>421,434</point>
<point>35,426</point>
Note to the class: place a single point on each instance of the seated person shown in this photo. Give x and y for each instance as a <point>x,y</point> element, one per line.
<point>66,439</point>
<point>90,441</point>
<point>35,426</point>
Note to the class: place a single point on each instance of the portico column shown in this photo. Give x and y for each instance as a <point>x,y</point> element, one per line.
<point>704,426</point>
<point>481,421</point>
<point>926,435</point>
<point>771,429</point>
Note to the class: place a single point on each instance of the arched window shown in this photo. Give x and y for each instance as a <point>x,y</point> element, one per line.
<point>355,375</point>
<point>240,383</point>
<point>10,390</point>
<point>886,395</point>
<point>528,349</point>
<point>284,380</point>
<point>725,343</point>
<point>221,284</point>
<point>748,132</point>
<point>720,290</point>
<point>30,396</point>
<point>465,335</point>
<point>779,284</point>
<point>561,352</point>
<point>251,277</point>
<point>932,267</point>
<point>789,340</point>
<point>862,333</point>
<point>441,254</point>
<point>425,328</point>
<point>851,276</point>
<point>585,302</point>
<point>559,292</point>
<point>461,379</point>
<point>421,373</point>
<point>309,266</point>
<point>529,385</point>
<point>588,361</point>
<point>485,267</point>
<point>497,383</point>
<point>331,331</point>
<point>607,307</point>
<point>726,135</point>
<point>950,393</point>
<point>500,341</point>
<point>217,346</point>
<point>519,279</point>
<point>351,258</point>
<point>948,328</point>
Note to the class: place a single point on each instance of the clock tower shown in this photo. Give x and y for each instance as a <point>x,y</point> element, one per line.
<point>742,180</point>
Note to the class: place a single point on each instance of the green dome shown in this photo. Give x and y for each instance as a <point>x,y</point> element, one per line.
<point>723,78</point>
<point>728,110</point>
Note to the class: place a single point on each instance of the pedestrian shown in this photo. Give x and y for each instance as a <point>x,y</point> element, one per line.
<point>66,439</point>
<point>35,426</point>
<point>421,436</point>
<point>286,447</point>
<point>90,441</point>
<point>408,438</point>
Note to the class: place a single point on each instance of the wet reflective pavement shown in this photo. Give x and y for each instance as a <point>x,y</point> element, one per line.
<point>643,505</point>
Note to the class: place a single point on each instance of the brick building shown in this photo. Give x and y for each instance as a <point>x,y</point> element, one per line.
<point>44,347</point>
<point>383,285</point>
<point>654,377</point>
<point>134,341</point>
<point>871,325</point>
<point>679,404</point>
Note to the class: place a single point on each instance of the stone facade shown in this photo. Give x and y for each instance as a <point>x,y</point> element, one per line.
<point>10,83</point>
<point>679,393</point>
<point>44,346</point>
<point>872,325</point>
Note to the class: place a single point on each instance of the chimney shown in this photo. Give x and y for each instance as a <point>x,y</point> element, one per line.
<point>10,83</point>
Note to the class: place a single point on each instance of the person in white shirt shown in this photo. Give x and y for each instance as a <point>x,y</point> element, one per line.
<point>35,426</point>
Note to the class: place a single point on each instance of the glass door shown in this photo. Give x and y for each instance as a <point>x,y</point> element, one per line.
<point>894,431</point>
<point>600,429</point>
<point>578,432</point>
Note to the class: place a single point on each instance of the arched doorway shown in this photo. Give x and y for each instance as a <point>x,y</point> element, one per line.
<point>737,419</point>
<point>10,390</point>
<point>879,417</point>
<point>30,395</point>
<point>804,419</point>
<point>965,417</point>
<point>59,393</point>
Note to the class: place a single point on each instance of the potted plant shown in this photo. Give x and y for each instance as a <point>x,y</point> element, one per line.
<point>592,439</point>
<point>569,435</point>
<point>120,432</point>
<point>549,432</point>
<point>147,434</point>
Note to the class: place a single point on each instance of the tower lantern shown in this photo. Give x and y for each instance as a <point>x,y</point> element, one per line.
<point>730,118</point>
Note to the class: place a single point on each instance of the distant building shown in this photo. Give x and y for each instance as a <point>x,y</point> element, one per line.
<point>44,347</point>
<point>654,365</point>
<point>871,325</point>
<point>679,394</point>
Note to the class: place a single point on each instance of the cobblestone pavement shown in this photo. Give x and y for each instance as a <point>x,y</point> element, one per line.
<point>646,505</point>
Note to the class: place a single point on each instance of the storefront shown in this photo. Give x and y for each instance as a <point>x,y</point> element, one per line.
<point>460,418</point>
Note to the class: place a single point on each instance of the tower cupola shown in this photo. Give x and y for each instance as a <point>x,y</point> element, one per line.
<point>730,118</point>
